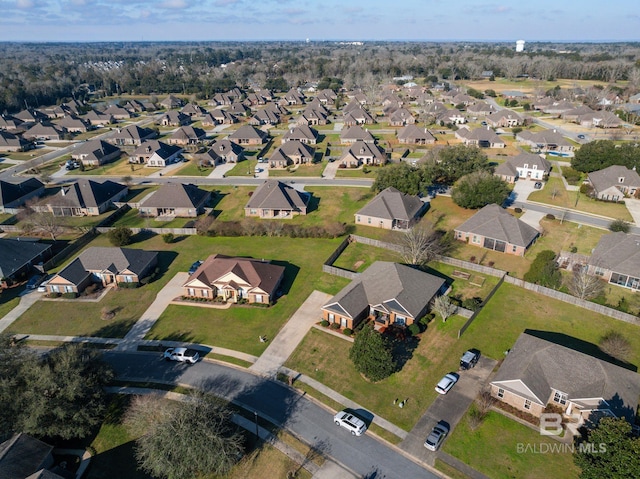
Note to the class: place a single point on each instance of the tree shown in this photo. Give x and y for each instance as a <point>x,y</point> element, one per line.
<point>600,154</point>
<point>584,285</point>
<point>127,180</point>
<point>60,395</point>
<point>616,345</point>
<point>42,221</point>
<point>456,161</point>
<point>615,454</point>
<point>421,244</point>
<point>544,271</point>
<point>444,307</point>
<point>371,354</point>
<point>403,177</point>
<point>188,439</point>
<point>619,225</point>
<point>479,189</point>
<point>120,236</point>
<point>14,360</point>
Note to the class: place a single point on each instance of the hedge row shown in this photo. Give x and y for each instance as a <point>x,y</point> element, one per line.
<point>275,228</point>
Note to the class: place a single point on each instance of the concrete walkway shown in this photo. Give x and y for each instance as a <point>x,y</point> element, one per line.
<point>167,170</point>
<point>532,218</point>
<point>633,206</point>
<point>139,330</point>
<point>287,340</point>
<point>27,298</point>
<point>221,170</point>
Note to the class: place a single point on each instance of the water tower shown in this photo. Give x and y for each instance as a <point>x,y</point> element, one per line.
<point>520,46</point>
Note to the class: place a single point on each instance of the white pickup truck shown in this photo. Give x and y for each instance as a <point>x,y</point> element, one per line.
<point>182,355</point>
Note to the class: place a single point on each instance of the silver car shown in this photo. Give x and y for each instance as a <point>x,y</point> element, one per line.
<point>446,383</point>
<point>436,437</point>
<point>350,422</point>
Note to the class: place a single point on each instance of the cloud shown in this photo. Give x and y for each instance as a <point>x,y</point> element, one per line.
<point>25,4</point>
<point>225,3</point>
<point>174,4</point>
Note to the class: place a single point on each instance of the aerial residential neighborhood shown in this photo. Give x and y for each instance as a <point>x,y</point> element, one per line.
<point>331,259</point>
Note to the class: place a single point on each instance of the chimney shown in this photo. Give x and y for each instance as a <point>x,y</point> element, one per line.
<point>62,191</point>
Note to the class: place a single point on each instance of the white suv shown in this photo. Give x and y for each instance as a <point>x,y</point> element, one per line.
<point>348,421</point>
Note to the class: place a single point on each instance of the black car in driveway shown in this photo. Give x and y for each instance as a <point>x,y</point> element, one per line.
<point>469,359</point>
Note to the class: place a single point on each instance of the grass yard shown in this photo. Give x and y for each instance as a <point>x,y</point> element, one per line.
<point>28,155</point>
<point>313,170</point>
<point>512,310</point>
<point>493,450</point>
<point>121,167</point>
<point>192,168</point>
<point>132,219</point>
<point>478,285</point>
<point>563,236</point>
<point>243,168</point>
<point>444,214</point>
<point>9,299</point>
<point>567,199</point>
<point>371,173</point>
<point>357,257</point>
<point>238,327</point>
<point>231,202</point>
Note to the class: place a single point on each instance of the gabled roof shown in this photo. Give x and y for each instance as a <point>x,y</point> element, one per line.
<point>95,148</point>
<point>356,132</point>
<point>10,140</point>
<point>188,133</point>
<point>531,160</point>
<point>85,193</point>
<point>543,366</point>
<point>176,195</point>
<point>480,135</point>
<point>259,274</point>
<point>618,252</point>
<point>392,204</point>
<point>225,147</point>
<point>499,115</point>
<point>22,455</point>
<point>294,149</point>
<point>151,147</point>
<point>414,133</point>
<point>611,176</point>
<point>11,191</point>
<point>300,132</point>
<point>14,254</point>
<point>544,137</point>
<point>360,150</point>
<point>134,132</point>
<point>97,258</point>
<point>274,194</point>
<point>495,222</point>
<point>392,286</point>
<point>248,132</point>
<point>41,129</point>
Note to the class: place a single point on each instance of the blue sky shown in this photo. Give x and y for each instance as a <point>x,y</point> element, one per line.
<point>153,20</point>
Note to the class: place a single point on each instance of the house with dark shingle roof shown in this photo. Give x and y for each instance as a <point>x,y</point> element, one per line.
<point>131,135</point>
<point>73,124</point>
<point>361,153</point>
<point>84,198</point>
<point>275,199</point>
<point>187,136</point>
<point>95,152</point>
<point>103,265</point>
<point>614,182</point>
<point>302,133</point>
<point>45,132</point>
<point>391,210</point>
<point>235,279</point>
<point>504,119</point>
<point>401,117</point>
<point>249,136</point>
<point>176,200</point>
<point>174,118</point>
<point>358,116</point>
<point>523,166</point>
<point>616,259</point>
<point>171,102</point>
<point>352,134</point>
<point>228,151</point>
<point>265,117</point>
<point>495,228</point>
<point>23,456</point>
<point>544,141</point>
<point>16,191</point>
<point>387,293</point>
<point>11,142</point>
<point>537,372</point>
<point>412,134</point>
<point>480,137</point>
<point>17,256</point>
<point>96,118</point>
<point>155,153</point>
<point>291,153</point>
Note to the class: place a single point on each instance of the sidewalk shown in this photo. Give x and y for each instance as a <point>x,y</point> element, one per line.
<point>140,329</point>
<point>287,340</point>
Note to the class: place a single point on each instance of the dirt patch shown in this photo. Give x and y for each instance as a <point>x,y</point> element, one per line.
<point>357,264</point>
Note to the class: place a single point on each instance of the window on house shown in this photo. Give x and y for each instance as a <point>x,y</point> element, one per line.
<point>191,292</point>
<point>68,289</point>
<point>500,393</point>
<point>514,248</point>
<point>332,317</point>
<point>205,293</point>
<point>476,239</point>
<point>369,220</point>
<point>358,219</point>
<point>527,404</point>
<point>560,398</point>
<point>599,271</point>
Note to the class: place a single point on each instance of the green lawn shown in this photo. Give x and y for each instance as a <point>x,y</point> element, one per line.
<point>239,326</point>
<point>192,169</point>
<point>314,170</point>
<point>357,257</point>
<point>9,299</point>
<point>132,219</point>
<point>357,173</point>
<point>243,168</point>
<point>493,450</point>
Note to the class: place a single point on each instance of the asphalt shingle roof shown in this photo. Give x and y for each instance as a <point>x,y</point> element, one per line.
<point>618,252</point>
<point>495,222</point>
<point>392,204</point>
<point>274,194</point>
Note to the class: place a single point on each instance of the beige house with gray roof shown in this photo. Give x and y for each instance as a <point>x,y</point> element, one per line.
<point>495,228</point>
<point>616,259</point>
<point>480,137</point>
<point>614,183</point>
<point>176,200</point>
<point>537,372</point>
<point>387,293</point>
<point>275,199</point>
<point>391,210</point>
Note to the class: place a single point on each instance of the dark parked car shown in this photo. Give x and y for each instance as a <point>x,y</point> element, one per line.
<point>469,359</point>
<point>194,267</point>
<point>537,185</point>
<point>581,137</point>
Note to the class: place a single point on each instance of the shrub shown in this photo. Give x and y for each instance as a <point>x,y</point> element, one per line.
<point>619,225</point>
<point>335,325</point>
<point>615,345</point>
<point>472,304</point>
<point>347,331</point>
<point>71,295</point>
<point>91,288</point>
<point>544,271</point>
<point>324,323</point>
<point>549,216</point>
<point>120,236</point>
<point>131,285</point>
<point>414,329</point>
<point>168,238</point>
<point>572,176</point>
<point>517,210</point>
<point>54,295</point>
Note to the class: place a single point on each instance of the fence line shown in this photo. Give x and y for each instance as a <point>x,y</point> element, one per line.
<point>159,231</point>
<point>69,250</point>
<point>475,313</point>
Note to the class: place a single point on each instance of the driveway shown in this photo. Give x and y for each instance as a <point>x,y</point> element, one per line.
<point>633,206</point>
<point>449,408</point>
<point>330,170</point>
<point>532,218</point>
<point>521,190</point>
<point>221,170</point>
<point>27,299</point>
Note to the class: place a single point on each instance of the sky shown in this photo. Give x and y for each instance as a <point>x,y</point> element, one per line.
<point>319,20</point>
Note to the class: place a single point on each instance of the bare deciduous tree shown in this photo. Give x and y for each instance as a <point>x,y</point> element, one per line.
<point>421,244</point>
<point>615,345</point>
<point>42,221</point>
<point>584,285</point>
<point>444,307</point>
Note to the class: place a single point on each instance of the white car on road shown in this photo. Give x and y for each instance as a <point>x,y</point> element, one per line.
<point>182,355</point>
<point>350,422</point>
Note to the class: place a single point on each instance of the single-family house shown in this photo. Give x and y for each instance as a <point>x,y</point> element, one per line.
<point>537,373</point>
<point>73,124</point>
<point>291,153</point>
<point>171,102</point>
<point>44,132</point>
<point>453,116</point>
<point>103,265</point>
<point>235,280</point>
<point>18,256</point>
<point>294,97</point>
<point>25,457</point>
<point>11,142</point>
<point>614,183</point>
<point>401,117</point>
<point>96,118</point>
<point>302,133</point>
<point>386,293</point>
<point>155,153</point>
<point>14,192</point>
<point>131,135</point>
<point>327,97</point>
<point>228,151</point>
<point>358,116</point>
<point>219,117</point>
<point>84,197</point>
<point>545,141</point>
<point>247,135</point>
<point>95,152</point>
<point>175,200</point>
<point>275,199</point>
<point>351,134</point>
<point>238,109</point>
<point>412,134</point>
<point>187,136</point>
<point>481,108</point>
<point>616,259</point>
<point>391,210</point>
<point>504,119</point>
<point>524,166</point>
<point>494,228</point>
<point>175,118</point>
<point>361,153</point>
<point>313,116</point>
<point>31,116</point>
<point>193,110</point>
<point>118,112</point>
<point>480,137</point>
<point>265,117</point>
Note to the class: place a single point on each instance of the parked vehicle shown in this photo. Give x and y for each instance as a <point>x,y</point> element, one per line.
<point>436,437</point>
<point>71,165</point>
<point>446,383</point>
<point>194,267</point>
<point>469,359</point>
<point>350,422</point>
<point>537,185</point>
<point>581,137</point>
<point>182,355</point>
<point>35,281</point>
